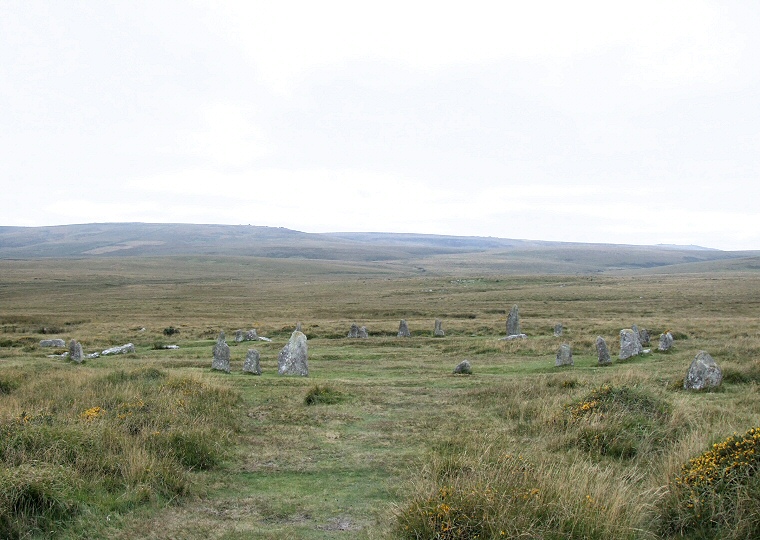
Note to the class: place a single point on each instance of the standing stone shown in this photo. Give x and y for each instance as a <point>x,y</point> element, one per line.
<point>403,329</point>
<point>294,357</point>
<point>703,373</point>
<point>644,336</point>
<point>438,332</point>
<point>239,336</point>
<point>251,335</point>
<point>629,344</point>
<point>558,330</point>
<point>564,356</point>
<point>602,352</point>
<point>298,327</point>
<point>53,343</point>
<point>354,331</point>
<point>637,333</point>
<point>252,362</point>
<point>76,353</point>
<point>463,368</point>
<point>513,322</point>
<point>666,341</point>
<point>221,360</point>
<point>363,332</point>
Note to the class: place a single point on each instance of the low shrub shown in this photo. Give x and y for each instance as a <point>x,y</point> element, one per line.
<point>170,331</point>
<point>323,395</point>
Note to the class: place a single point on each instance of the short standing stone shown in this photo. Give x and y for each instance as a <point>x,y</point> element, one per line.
<point>221,360</point>
<point>363,332</point>
<point>76,354</point>
<point>294,357</point>
<point>666,341</point>
<point>703,373</point>
<point>644,337</point>
<point>251,335</point>
<point>513,321</point>
<point>354,331</point>
<point>438,331</point>
<point>239,336</point>
<point>121,349</point>
<point>637,333</point>
<point>564,356</point>
<point>463,368</point>
<point>629,344</point>
<point>52,343</point>
<point>403,329</point>
<point>558,330</point>
<point>602,352</point>
<point>252,362</point>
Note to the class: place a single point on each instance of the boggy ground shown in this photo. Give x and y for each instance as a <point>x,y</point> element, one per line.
<point>400,447</point>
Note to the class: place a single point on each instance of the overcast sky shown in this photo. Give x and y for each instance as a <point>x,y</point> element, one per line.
<point>623,122</point>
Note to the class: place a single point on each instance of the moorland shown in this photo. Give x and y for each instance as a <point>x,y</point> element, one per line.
<point>381,440</point>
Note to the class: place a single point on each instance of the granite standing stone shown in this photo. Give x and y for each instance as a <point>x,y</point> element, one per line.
<point>463,368</point>
<point>637,333</point>
<point>363,332</point>
<point>602,352</point>
<point>294,357</point>
<point>666,341</point>
<point>558,330</point>
<point>513,322</point>
<point>76,354</point>
<point>221,360</point>
<point>645,338</point>
<point>438,331</point>
<point>403,329</point>
<point>354,331</point>
<point>703,373</point>
<point>629,344</point>
<point>53,343</point>
<point>239,336</point>
<point>251,335</point>
<point>252,362</point>
<point>564,356</point>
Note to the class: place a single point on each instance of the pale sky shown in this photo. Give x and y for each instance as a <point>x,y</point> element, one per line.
<point>622,122</point>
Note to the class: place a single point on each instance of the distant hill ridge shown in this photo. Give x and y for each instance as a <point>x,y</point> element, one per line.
<point>102,240</point>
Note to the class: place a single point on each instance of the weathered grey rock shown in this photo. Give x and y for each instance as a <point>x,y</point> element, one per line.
<point>354,331</point>
<point>558,330</point>
<point>629,344</point>
<point>637,333</point>
<point>121,349</point>
<point>516,336</point>
<point>463,368</point>
<point>169,347</point>
<point>52,343</point>
<point>76,354</point>
<point>239,336</point>
<point>221,361</point>
<point>363,332</point>
<point>513,321</point>
<point>644,337</point>
<point>403,329</point>
<point>564,356</point>
<point>666,341</point>
<point>294,357</point>
<point>298,327</point>
<point>704,373</point>
<point>262,338</point>
<point>252,362</point>
<point>251,335</point>
<point>602,352</point>
<point>438,331</point>
<point>92,355</point>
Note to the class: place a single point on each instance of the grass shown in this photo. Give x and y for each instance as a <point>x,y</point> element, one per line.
<point>381,436</point>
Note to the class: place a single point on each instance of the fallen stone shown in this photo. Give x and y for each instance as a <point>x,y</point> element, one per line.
<point>262,338</point>
<point>438,331</point>
<point>403,329</point>
<point>564,356</point>
<point>463,368</point>
<point>513,322</point>
<point>64,355</point>
<point>170,347</point>
<point>92,355</point>
<point>704,373</point>
<point>52,343</point>
<point>512,338</point>
<point>293,358</point>
<point>252,362</point>
<point>122,349</point>
<point>666,341</point>
<point>602,352</point>
<point>221,361</point>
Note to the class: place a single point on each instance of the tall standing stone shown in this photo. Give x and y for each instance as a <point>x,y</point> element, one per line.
<point>76,354</point>
<point>564,356</point>
<point>666,341</point>
<point>629,344</point>
<point>703,373</point>
<point>252,362</point>
<point>602,352</point>
<point>403,329</point>
<point>294,357</point>
<point>637,333</point>
<point>438,331</point>
<point>558,330</point>
<point>221,361</point>
<point>513,322</point>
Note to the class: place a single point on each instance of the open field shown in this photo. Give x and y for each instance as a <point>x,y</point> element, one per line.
<point>404,443</point>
